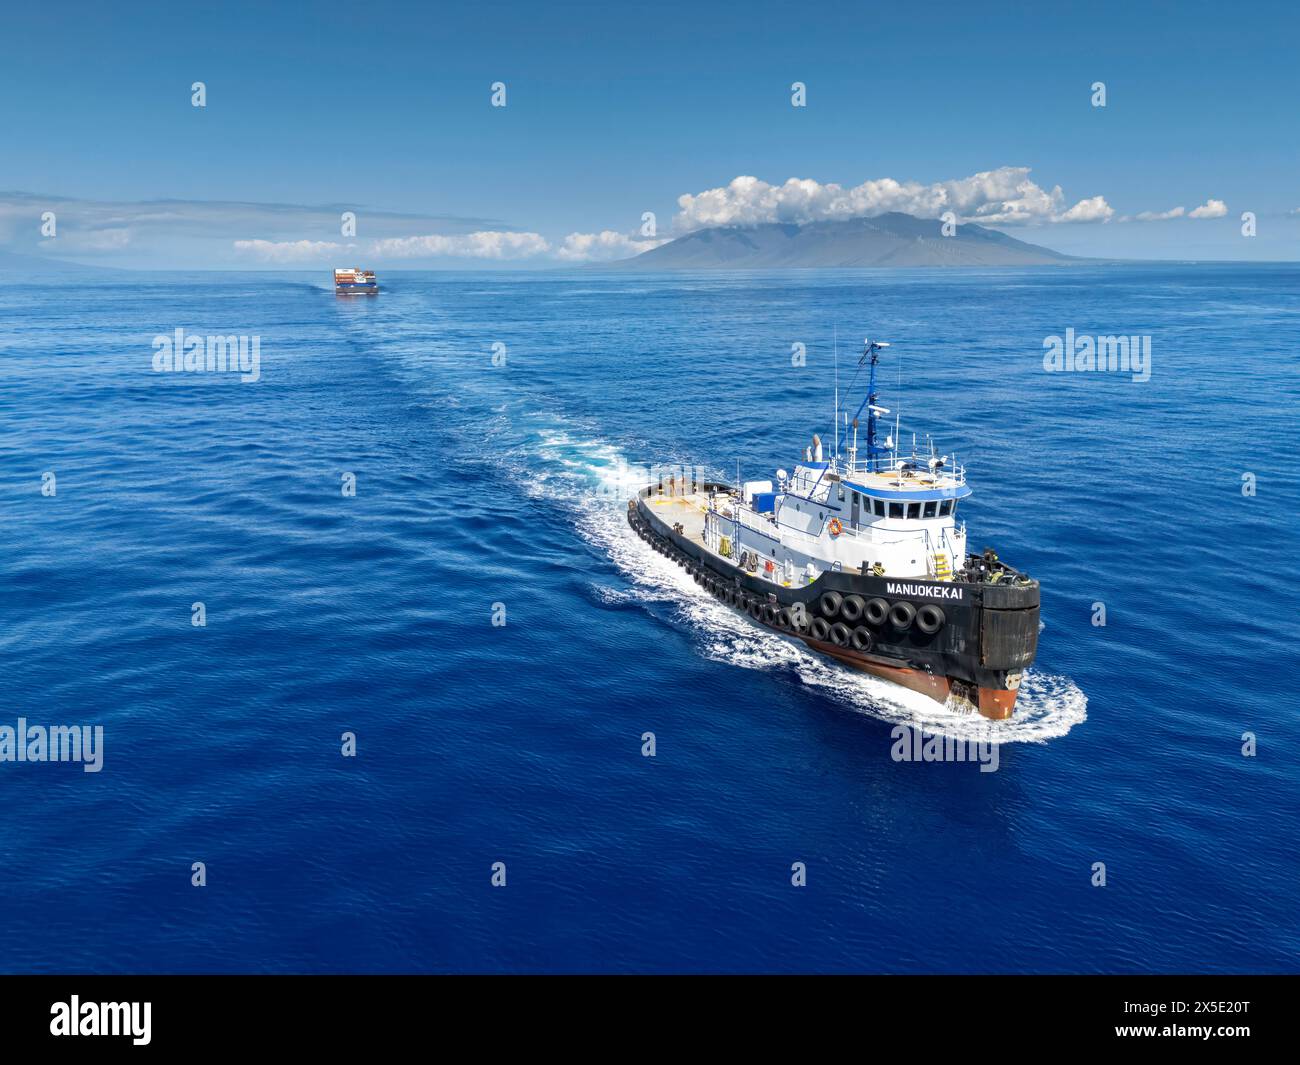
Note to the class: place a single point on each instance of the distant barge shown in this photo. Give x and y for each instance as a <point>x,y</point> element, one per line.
<point>355,282</point>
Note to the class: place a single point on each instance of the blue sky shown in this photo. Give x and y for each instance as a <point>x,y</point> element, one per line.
<point>614,111</point>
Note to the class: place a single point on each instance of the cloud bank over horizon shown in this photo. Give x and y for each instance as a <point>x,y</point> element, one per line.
<point>210,233</point>
<point>180,233</point>
<point>498,245</point>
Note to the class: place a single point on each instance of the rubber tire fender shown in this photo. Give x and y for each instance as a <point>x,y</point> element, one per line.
<point>829,604</point>
<point>820,628</point>
<point>862,638</point>
<point>876,611</point>
<point>851,609</point>
<point>902,614</point>
<point>929,619</point>
<point>840,634</point>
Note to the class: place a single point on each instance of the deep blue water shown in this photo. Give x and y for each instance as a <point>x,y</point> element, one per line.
<point>480,484</point>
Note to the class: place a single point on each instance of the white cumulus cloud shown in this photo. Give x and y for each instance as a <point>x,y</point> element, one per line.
<point>289,251</point>
<point>603,246</point>
<point>1093,209</point>
<point>1006,195</point>
<point>487,244</point>
<point>1161,216</point>
<point>1209,209</point>
<point>89,242</point>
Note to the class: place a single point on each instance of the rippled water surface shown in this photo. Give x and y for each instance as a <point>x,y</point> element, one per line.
<point>481,484</point>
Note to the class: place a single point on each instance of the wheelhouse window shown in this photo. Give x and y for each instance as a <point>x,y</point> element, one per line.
<point>895,510</point>
<point>913,510</point>
<point>880,507</point>
<point>931,508</point>
<point>947,507</point>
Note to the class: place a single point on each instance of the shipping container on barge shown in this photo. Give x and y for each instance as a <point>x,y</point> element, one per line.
<point>861,558</point>
<point>355,282</point>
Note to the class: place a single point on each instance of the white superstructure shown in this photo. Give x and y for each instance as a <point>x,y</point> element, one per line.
<point>889,514</point>
<point>894,522</point>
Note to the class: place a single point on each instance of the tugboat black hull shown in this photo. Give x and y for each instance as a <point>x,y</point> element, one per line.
<point>962,643</point>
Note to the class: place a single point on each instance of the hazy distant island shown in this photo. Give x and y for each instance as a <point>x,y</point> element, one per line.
<point>892,239</point>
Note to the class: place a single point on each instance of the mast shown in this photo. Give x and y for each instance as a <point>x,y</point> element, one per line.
<point>835,421</point>
<point>874,353</point>
<point>874,450</point>
<point>871,355</point>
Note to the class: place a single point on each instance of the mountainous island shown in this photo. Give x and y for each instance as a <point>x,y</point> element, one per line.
<point>892,239</point>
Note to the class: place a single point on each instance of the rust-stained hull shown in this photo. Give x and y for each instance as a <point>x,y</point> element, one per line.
<point>997,704</point>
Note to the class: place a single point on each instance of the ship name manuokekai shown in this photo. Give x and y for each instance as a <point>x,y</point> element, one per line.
<point>929,590</point>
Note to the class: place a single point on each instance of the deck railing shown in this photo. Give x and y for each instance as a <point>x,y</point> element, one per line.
<point>901,464</point>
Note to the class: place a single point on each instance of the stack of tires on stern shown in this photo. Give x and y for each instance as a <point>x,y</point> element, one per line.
<point>855,622</point>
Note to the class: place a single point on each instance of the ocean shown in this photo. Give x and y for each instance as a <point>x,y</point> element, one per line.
<point>411,529</point>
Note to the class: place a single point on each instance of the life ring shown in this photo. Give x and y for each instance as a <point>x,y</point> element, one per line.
<point>835,527</point>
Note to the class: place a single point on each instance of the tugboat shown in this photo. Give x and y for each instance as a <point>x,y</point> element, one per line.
<point>861,558</point>
<point>354,282</point>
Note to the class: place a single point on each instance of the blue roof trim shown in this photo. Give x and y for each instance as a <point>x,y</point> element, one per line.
<point>957,492</point>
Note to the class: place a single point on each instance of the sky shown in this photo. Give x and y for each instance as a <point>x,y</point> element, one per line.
<point>615,111</point>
